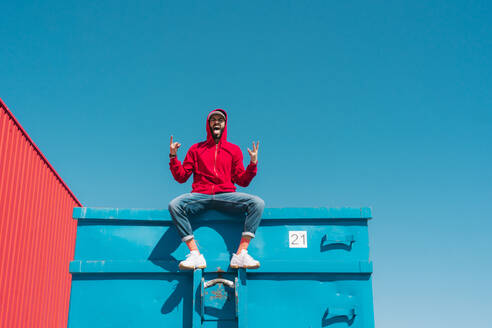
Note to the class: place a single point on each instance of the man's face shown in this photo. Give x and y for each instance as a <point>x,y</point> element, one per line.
<point>217,125</point>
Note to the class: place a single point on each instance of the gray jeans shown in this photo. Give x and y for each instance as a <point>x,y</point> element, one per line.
<point>185,205</point>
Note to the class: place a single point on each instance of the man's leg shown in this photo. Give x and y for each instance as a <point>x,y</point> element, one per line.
<point>253,206</point>
<point>244,243</point>
<point>180,209</point>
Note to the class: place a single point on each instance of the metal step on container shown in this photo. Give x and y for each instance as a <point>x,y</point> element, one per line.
<point>315,270</point>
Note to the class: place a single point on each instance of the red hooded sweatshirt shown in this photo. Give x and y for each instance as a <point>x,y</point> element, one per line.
<point>215,167</point>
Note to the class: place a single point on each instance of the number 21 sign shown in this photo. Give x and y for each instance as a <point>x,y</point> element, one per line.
<point>297,239</point>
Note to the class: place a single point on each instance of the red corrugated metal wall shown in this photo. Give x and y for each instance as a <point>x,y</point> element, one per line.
<point>37,233</point>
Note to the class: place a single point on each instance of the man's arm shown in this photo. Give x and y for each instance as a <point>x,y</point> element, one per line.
<point>181,173</point>
<point>241,176</point>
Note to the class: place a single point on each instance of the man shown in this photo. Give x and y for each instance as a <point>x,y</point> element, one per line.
<point>216,165</point>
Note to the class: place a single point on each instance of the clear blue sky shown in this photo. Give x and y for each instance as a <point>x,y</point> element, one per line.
<point>373,103</point>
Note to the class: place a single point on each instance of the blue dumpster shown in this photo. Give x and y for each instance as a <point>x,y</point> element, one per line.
<point>315,270</point>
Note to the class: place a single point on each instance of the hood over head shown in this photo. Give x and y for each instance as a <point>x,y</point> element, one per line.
<point>210,137</point>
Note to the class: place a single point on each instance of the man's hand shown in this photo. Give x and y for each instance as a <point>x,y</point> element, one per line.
<point>254,153</point>
<point>173,147</point>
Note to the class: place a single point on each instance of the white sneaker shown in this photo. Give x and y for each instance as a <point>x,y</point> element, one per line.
<point>194,260</point>
<point>244,260</point>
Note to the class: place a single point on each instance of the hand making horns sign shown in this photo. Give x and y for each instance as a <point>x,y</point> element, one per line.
<point>254,153</point>
<point>173,147</point>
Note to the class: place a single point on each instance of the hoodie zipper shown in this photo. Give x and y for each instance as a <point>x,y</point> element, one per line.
<point>215,171</point>
<point>215,159</point>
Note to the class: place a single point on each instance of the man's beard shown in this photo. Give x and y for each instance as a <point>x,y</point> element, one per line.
<point>217,135</point>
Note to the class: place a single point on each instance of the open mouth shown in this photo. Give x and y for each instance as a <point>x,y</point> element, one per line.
<point>217,128</point>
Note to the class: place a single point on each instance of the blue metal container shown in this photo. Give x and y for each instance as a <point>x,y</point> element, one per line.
<point>315,270</point>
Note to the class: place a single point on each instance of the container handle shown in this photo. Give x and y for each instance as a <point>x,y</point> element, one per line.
<point>210,283</point>
<point>333,312</point>
<point>345,240</point>
<point>214,282</point>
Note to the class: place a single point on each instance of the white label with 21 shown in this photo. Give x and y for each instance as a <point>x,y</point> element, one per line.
<point>297,239</point>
